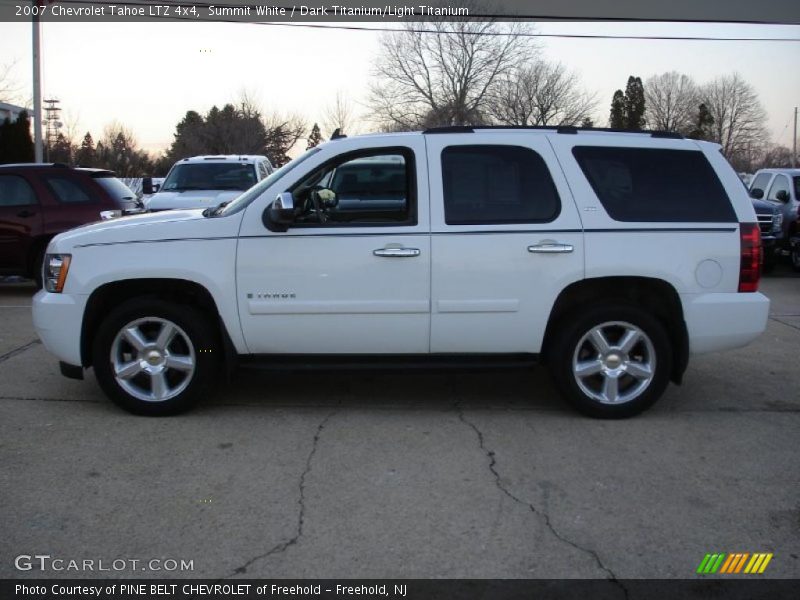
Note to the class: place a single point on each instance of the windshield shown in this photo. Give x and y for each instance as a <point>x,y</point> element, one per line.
<point>210,176</point>
<point>242,201</point>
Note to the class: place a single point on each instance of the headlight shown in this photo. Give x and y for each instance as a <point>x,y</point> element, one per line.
<point>56,267</point>
<point>777,220</point>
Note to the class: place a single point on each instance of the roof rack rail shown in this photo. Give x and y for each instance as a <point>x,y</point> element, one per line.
<point>451,129</point>
<point>565,129</point>
<point>57,165</point>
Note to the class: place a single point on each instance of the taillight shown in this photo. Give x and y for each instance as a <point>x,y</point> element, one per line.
<point>750,265</point>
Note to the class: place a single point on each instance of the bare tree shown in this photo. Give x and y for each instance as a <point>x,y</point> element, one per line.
<point>540,93</point>
<point>9,87</point>
<point>446,77</point>
<point>283,132</point>
<point>775,156</point>
<point>72,126</point>
<point>671,102</point>
<point>738,115</point>
<point>339,114</point>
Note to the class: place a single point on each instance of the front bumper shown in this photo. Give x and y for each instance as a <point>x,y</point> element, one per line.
<point>724,321</point>
<point>58,319</point>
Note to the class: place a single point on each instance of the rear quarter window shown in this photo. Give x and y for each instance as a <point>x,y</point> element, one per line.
<point>655,185</point>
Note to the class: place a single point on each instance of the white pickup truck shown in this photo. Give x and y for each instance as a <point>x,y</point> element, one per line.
<point>208,181</point>
<point>611,257</point>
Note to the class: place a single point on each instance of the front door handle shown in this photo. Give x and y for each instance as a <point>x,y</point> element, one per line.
<point>396,252</point>
<point>550,248</point>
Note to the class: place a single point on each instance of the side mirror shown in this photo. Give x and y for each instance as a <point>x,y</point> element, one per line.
<point>757,193</point>
<point>782,196</point>
<point>280,214</point>
<point>148,187</point>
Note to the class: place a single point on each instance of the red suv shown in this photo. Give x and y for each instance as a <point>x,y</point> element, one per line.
<point>38,201</point>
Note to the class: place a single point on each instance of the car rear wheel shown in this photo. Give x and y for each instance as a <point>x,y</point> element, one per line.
<point>611,361</point>
<point>155,358</point>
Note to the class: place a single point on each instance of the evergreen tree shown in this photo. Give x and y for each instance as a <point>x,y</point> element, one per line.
<point>5,143</point>
<point>85,156</point>
<point>61,151</point>
<point>587,123</point>
<point>617,118</point>
<point>634,104</point>
<point>702,128</point>
<point>188,137</point>
<point>16,143</point>
<point>314,138</point>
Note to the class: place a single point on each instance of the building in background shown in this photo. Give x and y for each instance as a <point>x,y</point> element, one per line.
<point>11,111</point>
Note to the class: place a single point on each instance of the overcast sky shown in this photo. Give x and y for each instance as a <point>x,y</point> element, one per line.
<point>147,75</point>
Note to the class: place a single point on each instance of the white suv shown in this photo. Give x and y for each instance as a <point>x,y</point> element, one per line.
<point>611,257</point>
<point>208,181</point>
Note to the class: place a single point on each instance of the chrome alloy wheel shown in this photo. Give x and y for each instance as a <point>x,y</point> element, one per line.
<point>614,362</point>
<point>152,359</point>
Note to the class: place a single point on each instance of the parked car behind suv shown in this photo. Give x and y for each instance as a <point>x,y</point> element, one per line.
<point>207,181</point>
<point>782,188</point>
<point>38,201</point>
<point>611,257</point>
<point>773,237</point>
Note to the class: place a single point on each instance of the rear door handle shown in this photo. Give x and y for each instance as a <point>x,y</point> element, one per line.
<point>550,248</point>
<point>25,213</point>
<point>396,252</point>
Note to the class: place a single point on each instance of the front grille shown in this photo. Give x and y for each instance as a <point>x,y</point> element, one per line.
<point>765,223</point>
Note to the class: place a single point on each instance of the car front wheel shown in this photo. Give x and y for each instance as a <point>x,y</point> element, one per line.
<point>155,358</point>
<point>611,362</point>
<point>795,257</point>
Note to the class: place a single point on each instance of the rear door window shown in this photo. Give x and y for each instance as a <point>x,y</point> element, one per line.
<point>655,185</point>
<point>68,191</point>
<point>15,191</point>
<point>494,184</point>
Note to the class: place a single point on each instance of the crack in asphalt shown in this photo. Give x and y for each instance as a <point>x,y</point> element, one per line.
<point>20,350</point>
<point>784,322</point>
<point>538,512</point>
<point>301,501</point>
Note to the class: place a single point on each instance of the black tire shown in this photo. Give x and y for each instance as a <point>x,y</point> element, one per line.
<point>794,257</point>
<point>564,349</point>
<point>196,339</point>
<point>769,263</point>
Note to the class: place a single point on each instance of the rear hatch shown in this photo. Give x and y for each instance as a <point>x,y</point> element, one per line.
<point>122,195</point>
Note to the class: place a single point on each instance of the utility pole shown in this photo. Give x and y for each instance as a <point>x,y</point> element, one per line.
<point>794,141</point>
<point>37,85</point>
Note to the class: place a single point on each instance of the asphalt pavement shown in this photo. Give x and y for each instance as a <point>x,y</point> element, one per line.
<point>463,474</point>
